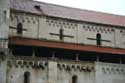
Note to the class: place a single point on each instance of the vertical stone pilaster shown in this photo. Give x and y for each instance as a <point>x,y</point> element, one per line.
<point>3,69</point>
<point>4,32</point>
<point>4,23</point>
<point>52,72</point>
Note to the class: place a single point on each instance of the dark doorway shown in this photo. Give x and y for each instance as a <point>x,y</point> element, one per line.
<point>74,79</point>
<point>26,77</point>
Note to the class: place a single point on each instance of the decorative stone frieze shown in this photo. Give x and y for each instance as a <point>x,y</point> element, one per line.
<point>74,67</point>
<point>27,64</point>
<point>113,70</point>
<point>101,29</point>
<point>61,23</point>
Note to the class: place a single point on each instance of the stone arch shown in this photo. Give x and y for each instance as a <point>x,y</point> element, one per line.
<point>20,28</point>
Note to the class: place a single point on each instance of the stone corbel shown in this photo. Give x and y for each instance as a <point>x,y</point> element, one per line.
<point>59,66</point>
<point>31,63</point>
<point>63,66</point>
<point>78,67</point>
<point>74,67</point>
<point>88,69</point>
<point>25,63</point>
<point>83,68</point>
<point>9,63</point>
<point>36,64</point>
<point>20,63</point>
<point>41,65</point>
<point>68,68</point>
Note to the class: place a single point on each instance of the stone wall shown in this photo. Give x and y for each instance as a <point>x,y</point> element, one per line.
<point>37,68</point>
<point>110,73</point>
<point>43,27</point>
<point>3,68</point>
<point>48,71</point>
<point>12,70</point>
<point>84,71</point>
<point>29,25</point>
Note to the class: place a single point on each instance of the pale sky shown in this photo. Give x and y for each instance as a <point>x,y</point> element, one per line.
<point>108,6</point>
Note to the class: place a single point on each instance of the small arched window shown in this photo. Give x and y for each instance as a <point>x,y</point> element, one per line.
<point>98,37</point>
<point>26,77</point>
<point>74,79</point>
<point>19,28</point>
<point>61,34</point>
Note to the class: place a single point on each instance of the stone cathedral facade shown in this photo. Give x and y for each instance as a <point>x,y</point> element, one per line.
<point>47,43</point>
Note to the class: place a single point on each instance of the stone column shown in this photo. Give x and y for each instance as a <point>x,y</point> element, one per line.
<point>52,72</point>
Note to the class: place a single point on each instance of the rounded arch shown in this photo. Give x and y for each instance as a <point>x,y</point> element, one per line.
<point>19,28</point>
<point>61,34</point>
<point>27,77</point>
<point>98,37</point>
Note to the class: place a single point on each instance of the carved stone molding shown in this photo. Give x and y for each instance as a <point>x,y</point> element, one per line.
<point>74,67</point>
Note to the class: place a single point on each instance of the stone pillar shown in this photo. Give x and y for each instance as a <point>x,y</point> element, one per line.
<point>3,69</point>
<point>52,72</point>
<point>33,54</point>
<point>4,23</point>
<point>77,57</point>
<point>4,32</point>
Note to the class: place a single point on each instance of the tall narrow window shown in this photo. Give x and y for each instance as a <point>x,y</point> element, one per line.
<point>61,34</point>
<point>19,28</point>
<point>74,79</point>
<point>98,37</point>
<point>27,77</point>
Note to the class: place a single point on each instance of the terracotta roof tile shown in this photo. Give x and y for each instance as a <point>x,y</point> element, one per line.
<point>66,12</point>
